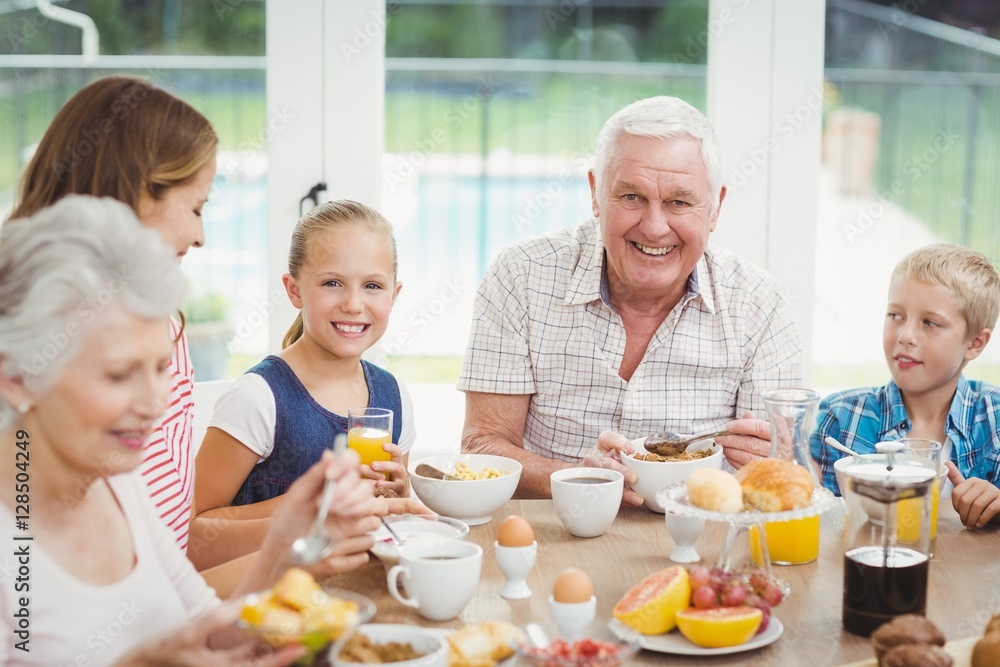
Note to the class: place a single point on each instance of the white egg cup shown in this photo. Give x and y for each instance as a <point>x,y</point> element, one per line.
<point>685,531</point>
<point>516,563</point>
<point>573,618</point>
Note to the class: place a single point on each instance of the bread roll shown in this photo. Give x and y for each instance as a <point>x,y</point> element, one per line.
<point>986,652</point>
<point>482,644</point>
<point>775,485</point>
<point>715,490</point>
<point>902,630</point>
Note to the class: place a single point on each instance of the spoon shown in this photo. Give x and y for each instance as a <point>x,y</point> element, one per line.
<point>847,450</point>
<point>314,547</point>
<point>425,470</point>
<point>668,443</point>
<point>396,539</point>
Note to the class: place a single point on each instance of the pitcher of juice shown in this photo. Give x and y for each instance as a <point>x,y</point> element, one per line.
<point>790,412</point>
<point>886,568</point>
<point>367,430</point>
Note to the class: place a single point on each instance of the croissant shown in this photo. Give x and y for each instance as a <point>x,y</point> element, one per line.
<point>481,644</point>
<point>775,485</point>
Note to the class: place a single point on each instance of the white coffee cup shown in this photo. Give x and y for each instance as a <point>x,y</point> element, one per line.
<point>587,499</point>
<point>439,578</point>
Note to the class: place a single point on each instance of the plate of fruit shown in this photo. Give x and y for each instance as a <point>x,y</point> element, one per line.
<point>297,610</point>
<point>701,611</point>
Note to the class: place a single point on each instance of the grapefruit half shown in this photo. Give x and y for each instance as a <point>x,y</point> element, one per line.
<point>649,607</point>
<point>719,627</point>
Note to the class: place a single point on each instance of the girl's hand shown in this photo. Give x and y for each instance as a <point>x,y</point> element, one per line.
<point>196,644</point>
<point>386,506</point>
<point>399,480</point>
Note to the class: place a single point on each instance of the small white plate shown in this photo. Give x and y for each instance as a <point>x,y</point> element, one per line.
<point>674,642</point>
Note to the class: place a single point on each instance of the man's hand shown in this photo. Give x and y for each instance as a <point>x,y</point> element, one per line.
<point>751,440</point>
<point>976,500</point>
<point>607,454</point>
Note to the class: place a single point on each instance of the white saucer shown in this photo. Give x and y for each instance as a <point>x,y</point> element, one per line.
<point>674,642</point>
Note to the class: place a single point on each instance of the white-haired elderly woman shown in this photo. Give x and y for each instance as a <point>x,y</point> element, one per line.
<point>91,575</point>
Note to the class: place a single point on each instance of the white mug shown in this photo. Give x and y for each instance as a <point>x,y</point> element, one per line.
<point>587,499</point>
<point>439,578</point>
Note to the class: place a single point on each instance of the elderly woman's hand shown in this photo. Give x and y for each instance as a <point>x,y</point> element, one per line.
<point>751,440</point>
<point>607,454</point>
<point>352,510</point>
<point>211,640</point>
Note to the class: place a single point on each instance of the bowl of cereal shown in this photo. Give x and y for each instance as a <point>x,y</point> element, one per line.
<point>656,472</point>
<point>485,483</point>
<point>392,644</point>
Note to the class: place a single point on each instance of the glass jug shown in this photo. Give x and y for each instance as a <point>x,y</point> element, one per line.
<point>885,561</point>
<point>790,413</point>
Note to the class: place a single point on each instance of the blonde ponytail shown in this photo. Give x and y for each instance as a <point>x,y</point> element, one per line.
<point>294,332</point>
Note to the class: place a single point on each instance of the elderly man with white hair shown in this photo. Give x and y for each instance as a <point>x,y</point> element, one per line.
<point>630,323</point>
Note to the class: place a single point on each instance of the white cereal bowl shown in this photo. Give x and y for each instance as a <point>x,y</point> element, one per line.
<point>470,501</point>
<point>653,475</point>
<point>431,644</point>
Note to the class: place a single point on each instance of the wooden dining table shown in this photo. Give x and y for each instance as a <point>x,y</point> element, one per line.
<point>963,593</point>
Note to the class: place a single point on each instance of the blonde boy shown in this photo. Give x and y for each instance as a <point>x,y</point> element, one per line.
<point>943,305</point>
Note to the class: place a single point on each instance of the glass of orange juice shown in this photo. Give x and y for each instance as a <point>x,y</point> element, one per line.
<point>794,542</point>
<point>367,430</point>
<point>908,512</point>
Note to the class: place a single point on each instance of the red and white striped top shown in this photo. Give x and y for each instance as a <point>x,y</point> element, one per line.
<point>168,469</point>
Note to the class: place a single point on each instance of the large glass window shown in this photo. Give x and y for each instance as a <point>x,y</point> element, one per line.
<point>911,131</point>
<point>209,54</point>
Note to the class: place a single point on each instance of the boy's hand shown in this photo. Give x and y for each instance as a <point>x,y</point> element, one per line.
<point>399,480</point>
<point>976,500</point>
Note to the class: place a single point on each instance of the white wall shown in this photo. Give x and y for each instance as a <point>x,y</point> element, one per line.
<point>765,98</point>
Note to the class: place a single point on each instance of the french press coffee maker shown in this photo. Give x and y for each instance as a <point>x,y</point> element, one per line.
<point>887,544</point>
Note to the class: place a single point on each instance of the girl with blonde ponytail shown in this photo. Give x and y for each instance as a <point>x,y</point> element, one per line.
<point>279,417</point>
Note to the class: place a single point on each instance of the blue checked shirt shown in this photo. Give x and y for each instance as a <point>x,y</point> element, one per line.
<point>859,418</point>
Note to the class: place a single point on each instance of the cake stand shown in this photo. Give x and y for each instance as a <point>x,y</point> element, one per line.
<point>674,498</point>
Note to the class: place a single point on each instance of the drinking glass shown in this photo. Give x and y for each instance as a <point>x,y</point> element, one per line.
<point>790,412</point>
<point>927,452</point>
<point>367,430</point>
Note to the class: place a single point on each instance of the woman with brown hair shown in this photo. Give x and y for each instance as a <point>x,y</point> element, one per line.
<point>123,137</point>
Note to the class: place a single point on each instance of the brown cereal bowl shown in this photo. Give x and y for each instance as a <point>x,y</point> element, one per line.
<point>654,475</point>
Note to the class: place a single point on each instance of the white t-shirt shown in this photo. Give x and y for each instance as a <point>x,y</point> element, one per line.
<point>77,623</point>
<point>247,412</point>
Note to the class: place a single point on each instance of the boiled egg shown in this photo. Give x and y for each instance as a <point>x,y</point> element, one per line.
<point>514,531</point>
<point>573,585</point>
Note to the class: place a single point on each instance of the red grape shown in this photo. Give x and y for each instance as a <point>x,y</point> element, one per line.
<point>772,595</point>
<point>758,581</point>
<point>734,596</point>
<point>699,576</point>
<point>704,597</point>
<point>766,611</point>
